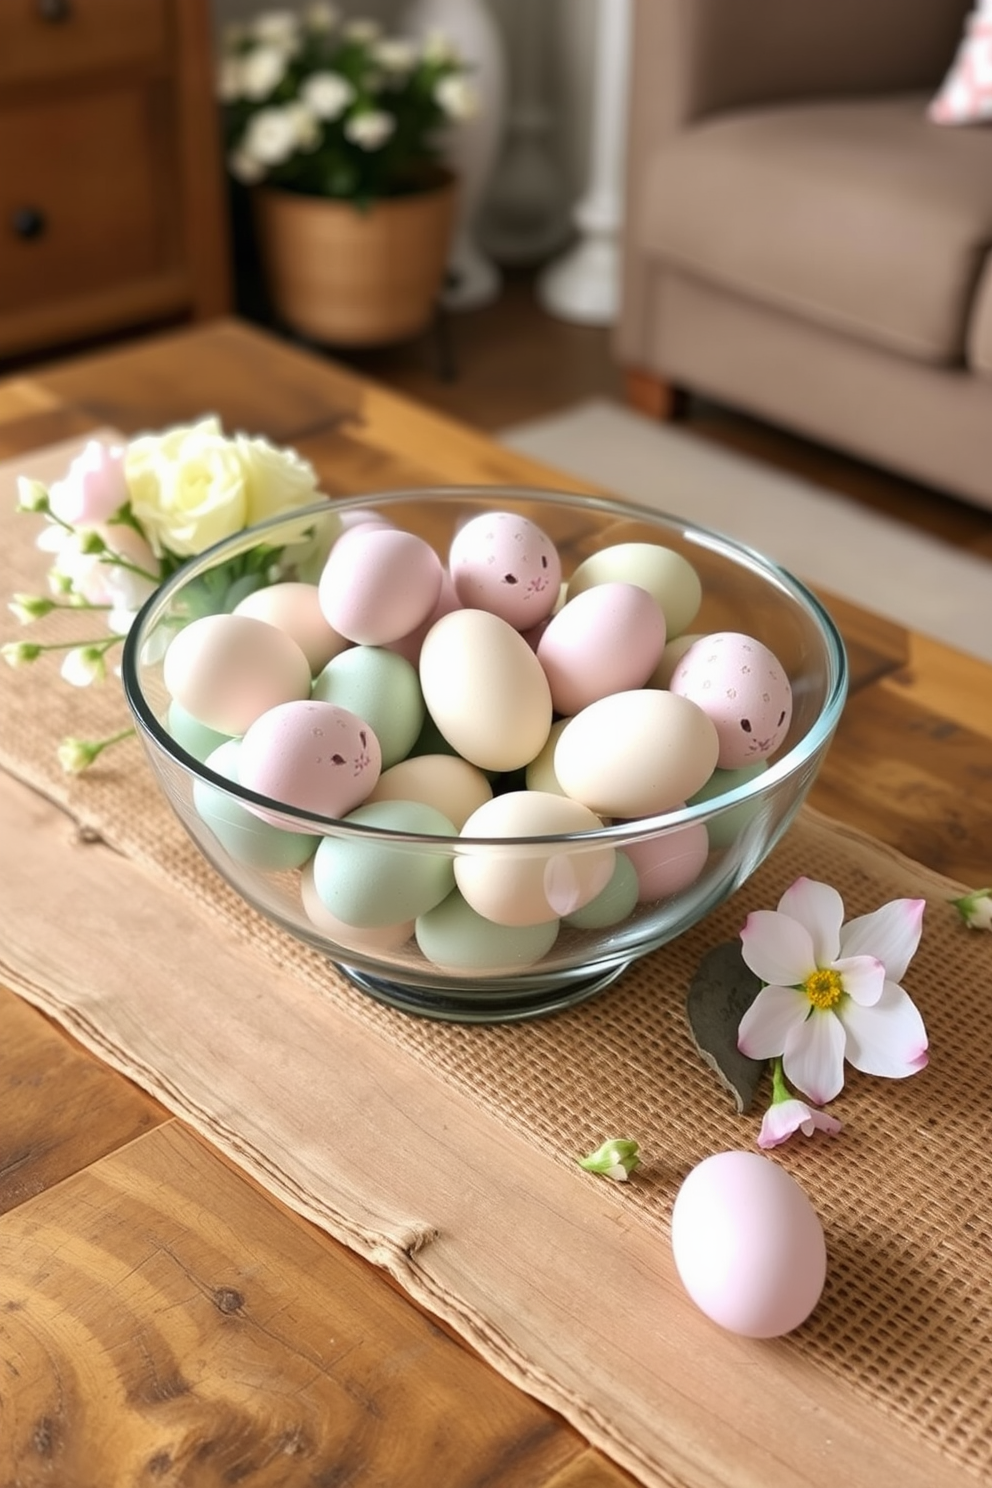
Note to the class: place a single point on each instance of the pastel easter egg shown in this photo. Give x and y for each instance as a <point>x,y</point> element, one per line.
<point>295,608</point>
<point>540,773</point>
<point>607,639</point>
<point>670,658</point>
<point>742,686</point>
<point>636,753</point>
<point>613,903</point>
<point>725,828</point>
<point>381,687</point>
<point>226,670</point>
<point>312,755</point>
<point>668,577</point>
<point>485,689</point>
<point>409,645</point>
<point>190,734</point>
<point>371,880</point>
<point>529,883</point>
<point>379,583</point>
<point>445,781</point>
<point>505,563</point>
<point>670,861</point>
<point>454,937</point>
<point>241,833</point>
<point>373,940</point>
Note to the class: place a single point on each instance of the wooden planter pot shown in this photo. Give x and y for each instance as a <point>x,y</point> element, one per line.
<point>348,277</point>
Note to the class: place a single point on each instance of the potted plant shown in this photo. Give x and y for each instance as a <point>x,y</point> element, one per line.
<point>334,128</point>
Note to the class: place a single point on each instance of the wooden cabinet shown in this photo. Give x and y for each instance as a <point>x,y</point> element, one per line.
<point>113,204</point>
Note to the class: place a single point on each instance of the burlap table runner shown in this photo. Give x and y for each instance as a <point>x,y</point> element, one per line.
<point>904,1329</point>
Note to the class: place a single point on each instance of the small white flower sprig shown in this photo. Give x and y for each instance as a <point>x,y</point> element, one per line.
<point>125,517</point>
<point>831,993</point>
<point>975,909</point>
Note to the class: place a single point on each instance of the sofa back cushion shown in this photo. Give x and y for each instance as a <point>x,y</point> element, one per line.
<point>859,215</point>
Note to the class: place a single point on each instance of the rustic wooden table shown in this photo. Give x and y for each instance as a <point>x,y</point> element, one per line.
<point>405,1402</point>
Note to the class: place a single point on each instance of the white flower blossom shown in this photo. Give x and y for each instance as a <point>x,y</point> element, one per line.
<point>245,168</point>
<point>363,31</point>
<point>271,135</point>
<point>229,83</point>
<point>84,665</point>
<point>832,989</point>
<point>262,70</point>
<point>437,46</point>
<point>370,130</point>
<point>457,97</point>
<point>328,94</point>
<point>395,53</point>
<point>975,909</point>
<point>278,28</point>
<point>321,15</point>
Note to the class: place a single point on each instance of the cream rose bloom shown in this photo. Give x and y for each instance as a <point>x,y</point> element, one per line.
<point>188,487</point>
<point>276,480</point>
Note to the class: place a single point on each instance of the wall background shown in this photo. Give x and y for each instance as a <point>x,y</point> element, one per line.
<point>567,42</point>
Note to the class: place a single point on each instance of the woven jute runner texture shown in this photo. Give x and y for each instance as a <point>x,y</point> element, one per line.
<point>905,1193</point>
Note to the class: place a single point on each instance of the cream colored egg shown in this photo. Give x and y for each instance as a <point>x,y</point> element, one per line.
<point>485,690</point>
<point>295,608</point>
<point>670,658</point>
<point>541,770</point>
<point>531,883</point>
<point>445,781</point>
<point>227,670</point>
<point>636,753</point>
<point>665,574</point>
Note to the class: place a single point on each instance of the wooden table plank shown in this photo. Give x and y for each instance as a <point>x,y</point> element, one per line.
<point>61,1109</point>
<point>165,1321</point>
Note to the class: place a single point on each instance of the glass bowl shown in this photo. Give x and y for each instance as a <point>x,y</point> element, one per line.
<point>703,851</point>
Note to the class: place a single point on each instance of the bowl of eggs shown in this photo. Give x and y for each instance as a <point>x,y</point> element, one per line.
<point>484,747</point>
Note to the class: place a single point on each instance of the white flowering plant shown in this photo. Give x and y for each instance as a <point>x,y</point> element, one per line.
<point>125,517</point>
<point>337,109</point>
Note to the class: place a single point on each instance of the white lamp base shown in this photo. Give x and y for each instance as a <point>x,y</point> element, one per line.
<point>583,285</point>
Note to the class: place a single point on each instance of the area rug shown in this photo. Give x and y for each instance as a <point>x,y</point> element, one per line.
<point>825,538</point>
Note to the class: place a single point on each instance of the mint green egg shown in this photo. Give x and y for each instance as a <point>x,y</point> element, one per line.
<point>249,840</point>
<point>454,937</point>
<point>368,881</point>
<point>612,904</point>
<point>382,688</point>
<point>724,830</point>
<point>192,735</point>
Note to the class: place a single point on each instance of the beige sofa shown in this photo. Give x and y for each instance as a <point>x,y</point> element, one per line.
<point>801,242</point>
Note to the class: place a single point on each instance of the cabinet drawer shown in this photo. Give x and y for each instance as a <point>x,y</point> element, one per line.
<point>44,40</point>
<point>88,194</point>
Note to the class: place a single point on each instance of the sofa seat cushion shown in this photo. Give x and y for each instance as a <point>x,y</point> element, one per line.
<point>980,325</point>
<point>860,215</point>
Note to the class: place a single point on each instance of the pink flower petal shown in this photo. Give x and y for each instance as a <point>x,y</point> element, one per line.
<point>891,933</point>
<point>777,948</point>
<point>765,1027</point>
<point>813,1057</point>
<point>863,978</point>
<point>820,908</point>
<point>788,1116</point>
<point>888,1038</point>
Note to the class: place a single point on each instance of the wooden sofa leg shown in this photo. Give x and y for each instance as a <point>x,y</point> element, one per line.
<point>650,394</point>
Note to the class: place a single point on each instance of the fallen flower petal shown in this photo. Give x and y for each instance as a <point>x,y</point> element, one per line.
<point>614,1159</point>
<point>975,909</point>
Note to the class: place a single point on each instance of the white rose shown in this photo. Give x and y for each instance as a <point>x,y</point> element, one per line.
<point>370,130</point>
<point>275,480</point>
<point>321,15</point>
<point>327,93</point>
<point>456,96</point>
<point>245,168</point>
<point>187,486</point>
<point>262,70</point>
<point>437,47</point>
<point>271,135</point>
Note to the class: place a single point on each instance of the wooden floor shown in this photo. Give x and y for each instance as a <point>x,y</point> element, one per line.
<point>512,362</point>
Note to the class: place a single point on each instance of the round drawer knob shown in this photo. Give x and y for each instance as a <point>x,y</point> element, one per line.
<point>28,222</point>
<point>54,10</point>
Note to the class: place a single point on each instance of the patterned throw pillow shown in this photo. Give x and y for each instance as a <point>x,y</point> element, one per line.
<point>965,96</point>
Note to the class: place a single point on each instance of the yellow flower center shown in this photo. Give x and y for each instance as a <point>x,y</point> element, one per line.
<point>824,988</point>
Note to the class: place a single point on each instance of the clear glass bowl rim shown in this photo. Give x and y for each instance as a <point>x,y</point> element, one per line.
<point>619,833</point>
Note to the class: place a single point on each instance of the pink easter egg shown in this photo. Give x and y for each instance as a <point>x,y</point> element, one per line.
<point>379,583</point>
<point>670,862</point>
<point>607,639</point>
<point>504,563</point>
<point>313,755</point>
<point>743,688</point>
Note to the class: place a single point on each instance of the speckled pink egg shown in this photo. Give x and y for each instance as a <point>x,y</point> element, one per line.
<point>743,688</point>
<point>379,583</point>
<point>313,755</point>
<point>505,563</point>
<point>607,639</point>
